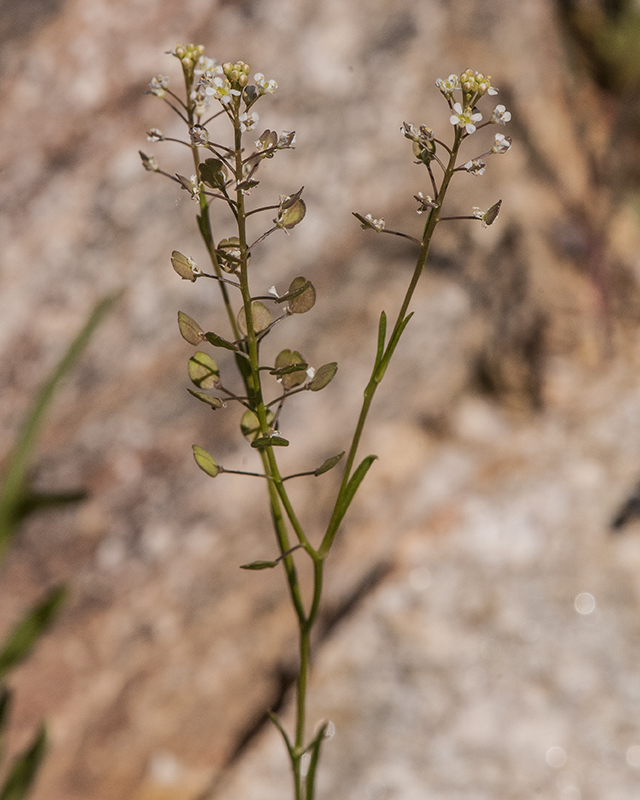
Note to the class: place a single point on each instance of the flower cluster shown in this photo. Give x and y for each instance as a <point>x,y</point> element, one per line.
<point>230,84</point>
<point>462,94</point>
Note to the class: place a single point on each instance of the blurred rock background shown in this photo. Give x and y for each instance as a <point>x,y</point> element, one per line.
<point>482,631</point>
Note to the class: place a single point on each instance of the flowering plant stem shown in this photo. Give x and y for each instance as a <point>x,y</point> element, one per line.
<point>232,175</point>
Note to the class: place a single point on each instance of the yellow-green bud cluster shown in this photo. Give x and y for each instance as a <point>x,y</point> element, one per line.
<point>237,74</point>
<point>474,85</point>
<point>188,55</point>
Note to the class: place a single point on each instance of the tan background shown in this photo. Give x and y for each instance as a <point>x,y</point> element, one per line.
<point>507,428</point>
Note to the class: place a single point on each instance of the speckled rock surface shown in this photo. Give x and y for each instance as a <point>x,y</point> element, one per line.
<point>495,652</point>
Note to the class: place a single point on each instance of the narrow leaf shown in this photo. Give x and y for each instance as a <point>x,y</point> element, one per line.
<point>284,734</point>
<point>24,769</point>
<point>329,464</point>
<point>314,752</point>
<point>323,377</point>
<point>259,565</point>
<point>382,332</point>
<point>19,643</point>
<point>295,293</point>
<point>205,228</point>
<point>269,441</point>
<point>12,488</point>
<point>381,367</point>
<point>288,370</point>
<point>32,501</point>
<point>214,402</point>
<point>5,707</point>
<point>218,341</point>
<point>352,487</point>
<point>205,461</point>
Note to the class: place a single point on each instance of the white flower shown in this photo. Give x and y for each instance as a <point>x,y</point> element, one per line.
<point>478,213</point>
<point>208,66</point>
<point>200,100</point>
<point>221,89</point>
<point>248,121</point>
<point>199,135</point>
<point>286,140</point>
<point>193,266</point>
<point>408,129</point>
<point>465,118</point>
<point>501,144</point>
<point>475,167</point>
<point>500,116</point>
<point>311,373</point>
<point>195,187</point>
<point>274,291</point>
<point>425,202</point>
<point>158,85</point>
<point>264,86</point>
<point>375,224</point>
<point>149,162</point>
<point>448,86</point>
<point>154,135</point>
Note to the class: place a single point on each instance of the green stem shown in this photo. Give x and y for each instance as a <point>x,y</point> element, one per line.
<point>204,220</point>
<point>278,497</point>
<point>382,363</point>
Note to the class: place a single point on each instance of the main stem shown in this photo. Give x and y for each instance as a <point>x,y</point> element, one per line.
<point>278,497</point>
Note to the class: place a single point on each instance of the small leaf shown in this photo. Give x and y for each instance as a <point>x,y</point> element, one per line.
<point>19,643</point>
<point>206,462</point>
<point>214,402</point>
<point>269,441</point>
<point>291,368</point>
<point>214,173</point>
<point>259,565</point>
<point>190,329</point>
<point>218,341</point>
<point>261,317</point>
<point>329,464</point>
<point>306,300</point>
<point>186,267</point>
<point>323,377</point>
<point>203,371</point>
<point>250,424</point>
<point>24,769</point>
